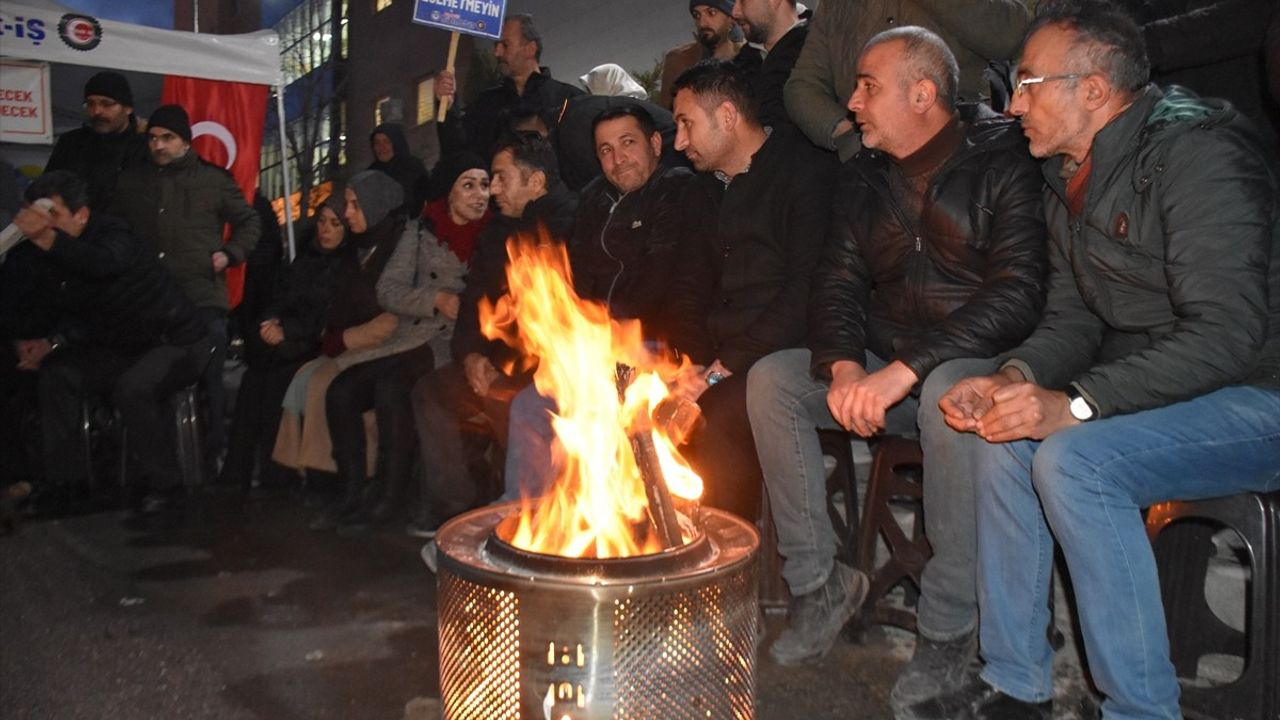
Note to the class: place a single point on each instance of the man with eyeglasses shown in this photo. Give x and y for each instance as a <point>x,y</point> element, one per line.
<point>109,142</point>
<point>1154,375</point>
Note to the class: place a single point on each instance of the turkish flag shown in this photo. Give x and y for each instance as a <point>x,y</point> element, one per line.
<point>227,119</point>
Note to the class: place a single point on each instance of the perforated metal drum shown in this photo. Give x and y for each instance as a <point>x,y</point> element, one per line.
<point>668,636</point>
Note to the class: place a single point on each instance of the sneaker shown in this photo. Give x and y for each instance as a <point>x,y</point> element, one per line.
<point>977,700</point>
<point>429,554</point>
<point>817,617</point>
<point>936,668</point>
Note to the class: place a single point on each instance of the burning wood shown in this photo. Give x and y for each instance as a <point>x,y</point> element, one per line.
<point>611,498</point>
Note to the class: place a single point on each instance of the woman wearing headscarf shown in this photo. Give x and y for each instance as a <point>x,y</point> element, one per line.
<point>285,335</point>
<point>379,334</point>
<point>391,155</point>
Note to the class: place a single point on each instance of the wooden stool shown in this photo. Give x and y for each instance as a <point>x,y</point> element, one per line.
<point>1181,534</point>
<point>895,481</point>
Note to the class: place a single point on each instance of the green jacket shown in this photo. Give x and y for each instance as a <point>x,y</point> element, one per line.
<point>977,31</point>
<point>1167,286</point>
<point>179,210</point>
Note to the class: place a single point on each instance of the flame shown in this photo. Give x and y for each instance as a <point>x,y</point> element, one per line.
<point>597,506</point>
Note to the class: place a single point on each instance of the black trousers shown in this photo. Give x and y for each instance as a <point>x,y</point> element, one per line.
<point>723,451</point>
<point>215,392</point>
<point>140,388</point>
<point>444,404</point>
<point>382,385</point>
<point>256,419</point>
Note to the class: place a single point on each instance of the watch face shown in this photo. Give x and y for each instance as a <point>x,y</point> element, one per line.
<point>1080,409</point>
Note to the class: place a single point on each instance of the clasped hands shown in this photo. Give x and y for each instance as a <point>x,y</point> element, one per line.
<point>1004,407</point>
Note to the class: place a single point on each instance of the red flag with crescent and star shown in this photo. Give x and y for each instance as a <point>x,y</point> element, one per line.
<point>227,120</point>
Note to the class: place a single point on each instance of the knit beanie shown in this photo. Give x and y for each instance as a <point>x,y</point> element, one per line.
<point>110,84</point>
<point>449,169</point>
<point>172,118</point>
<point>724,6</point>
<point>379,194</point>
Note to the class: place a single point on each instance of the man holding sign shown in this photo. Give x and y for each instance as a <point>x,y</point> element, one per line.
<point>526,89</point>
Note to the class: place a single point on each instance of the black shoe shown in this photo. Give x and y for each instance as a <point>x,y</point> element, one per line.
<point>977,701</point>
<point>936,668</point>
<point>818,617</point>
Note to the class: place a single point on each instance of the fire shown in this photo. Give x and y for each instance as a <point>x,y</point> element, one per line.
<point>598,506</point>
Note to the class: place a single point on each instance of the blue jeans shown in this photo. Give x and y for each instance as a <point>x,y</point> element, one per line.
<point>1087,485</point>
<point>530,467</point>
<point>787,407</point>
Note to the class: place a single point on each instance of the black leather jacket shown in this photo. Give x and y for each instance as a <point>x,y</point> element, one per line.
<point>969,282</point>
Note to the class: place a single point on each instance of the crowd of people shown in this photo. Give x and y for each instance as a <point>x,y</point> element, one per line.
<point>991,229</point>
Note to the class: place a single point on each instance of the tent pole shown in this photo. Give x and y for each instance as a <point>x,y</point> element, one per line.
<point>284,171</point>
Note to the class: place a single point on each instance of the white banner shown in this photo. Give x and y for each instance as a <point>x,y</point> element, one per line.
<point>25,108</point>
<point>43,30</point>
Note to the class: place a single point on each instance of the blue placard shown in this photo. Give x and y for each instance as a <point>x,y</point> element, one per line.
<point>474,17</point>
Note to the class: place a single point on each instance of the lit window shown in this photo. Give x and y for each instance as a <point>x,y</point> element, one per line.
<point>377,108</point>
<point>426,100</point>
<point>380,5</point>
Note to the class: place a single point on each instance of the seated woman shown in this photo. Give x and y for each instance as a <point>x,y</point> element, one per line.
<point>457,210</point>
<point>410,295</point>
<point>287,335</point>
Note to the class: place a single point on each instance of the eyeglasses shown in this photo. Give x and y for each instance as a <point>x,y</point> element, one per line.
<point>1021,87</point>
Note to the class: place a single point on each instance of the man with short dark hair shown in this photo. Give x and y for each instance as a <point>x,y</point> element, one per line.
<point>525,184</point>
<point>109,142</point>
<point>1154,375</point>
<point>527,90</point>
<point>915,292</point>
<point>715,35</point>
<point>123,327</point>
<point>628,228</point>
<point>178,205</point>
<point>777,33</point>
<point>758,215</point>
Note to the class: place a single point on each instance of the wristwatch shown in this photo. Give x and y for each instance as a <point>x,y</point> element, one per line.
<point>1080,408</point>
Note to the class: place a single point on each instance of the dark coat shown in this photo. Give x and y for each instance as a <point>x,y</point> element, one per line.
<point>111,293</point>
<point>485,120</point>
<point>488,276</point>
<point>741,289</point>
<point>769,75</point>
<point>1167,287</point>
<point>624,246</point>
<point>355,295</point>
<point>575,139</point>
<point>407,169</point>
<point>303,298</point>
<point>100,159</point>
<point>179,211</point>
<point>969,284</point>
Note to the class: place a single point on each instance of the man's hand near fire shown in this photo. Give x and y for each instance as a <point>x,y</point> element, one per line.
<point>480,373</point>
<point>694,380</point>
<point>1004,407</point>
<point>858,400</point>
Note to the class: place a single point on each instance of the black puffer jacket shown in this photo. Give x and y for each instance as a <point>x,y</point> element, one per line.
<point>111,293</point>
<point>624,245</point>
<point>1168,286</point>
<point>970,284</point>
<point>302,301</point>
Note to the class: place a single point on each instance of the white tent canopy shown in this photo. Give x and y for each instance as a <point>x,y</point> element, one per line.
<point>249,58</point>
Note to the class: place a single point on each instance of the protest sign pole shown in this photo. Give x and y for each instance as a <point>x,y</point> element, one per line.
<point>453,55</point>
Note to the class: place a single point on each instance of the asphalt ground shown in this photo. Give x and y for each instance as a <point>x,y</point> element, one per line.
<point>231,608</point>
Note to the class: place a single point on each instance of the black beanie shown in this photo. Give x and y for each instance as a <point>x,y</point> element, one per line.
<point>172,118</point>
<point>447,171</point>
<point>110,84</point>
<point>724,6</point>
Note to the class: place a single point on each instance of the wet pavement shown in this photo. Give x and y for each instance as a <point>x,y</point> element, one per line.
<point>233,609</point>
